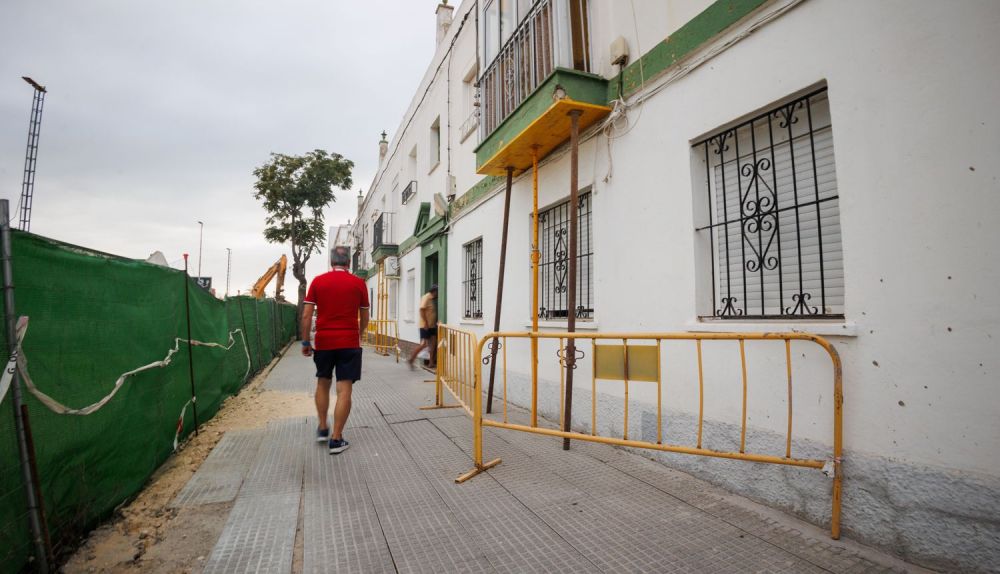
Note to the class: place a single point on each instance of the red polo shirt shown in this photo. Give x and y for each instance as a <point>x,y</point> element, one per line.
<point>338,296</point>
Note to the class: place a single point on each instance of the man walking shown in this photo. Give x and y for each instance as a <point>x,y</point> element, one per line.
<point>340,301</point>
<point>428,327</point>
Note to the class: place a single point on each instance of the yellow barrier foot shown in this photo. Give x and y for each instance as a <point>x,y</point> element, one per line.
<point>432,407</point>
<point>477,470</point>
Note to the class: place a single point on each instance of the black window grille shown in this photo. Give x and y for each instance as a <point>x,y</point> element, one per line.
<point>409,191</point>
<point>473,283</point>
<point>774,215</point>
<point>553,267</point>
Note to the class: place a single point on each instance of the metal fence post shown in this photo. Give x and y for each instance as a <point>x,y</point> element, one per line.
<point>570,353</point>
<point>39,531</point>
<point>503,265</point>
<point>243,318</point>
<point>187,313</point>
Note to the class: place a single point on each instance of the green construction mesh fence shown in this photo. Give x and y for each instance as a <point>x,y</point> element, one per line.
<point>93,317</point>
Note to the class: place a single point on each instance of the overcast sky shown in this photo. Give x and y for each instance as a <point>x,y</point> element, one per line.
<point>158,112</point>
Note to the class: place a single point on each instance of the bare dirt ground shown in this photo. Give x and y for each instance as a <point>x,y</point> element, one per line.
<point>146,535</point>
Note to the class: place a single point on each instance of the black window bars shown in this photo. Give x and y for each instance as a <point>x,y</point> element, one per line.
<point>774,215</point>
<point>553,238</point>
<point>473,283</point>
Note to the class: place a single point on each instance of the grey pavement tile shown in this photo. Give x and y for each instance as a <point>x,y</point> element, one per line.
<point>259,534</point>
<point>422,531</point>
<point>340,530</point>
<point>219,477</point>
<point>293,373</point>
<point>363,414</point>
<point>277,468</point>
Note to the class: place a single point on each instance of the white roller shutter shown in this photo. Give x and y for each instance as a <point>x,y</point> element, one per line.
<point>801,254</point>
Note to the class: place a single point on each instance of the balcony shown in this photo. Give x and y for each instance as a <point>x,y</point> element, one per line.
<point>469,125</point>
<point>539,75</point>
<point>383,237</point>
<point>409,191</point>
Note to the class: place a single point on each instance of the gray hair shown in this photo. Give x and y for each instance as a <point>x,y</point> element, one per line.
<point>340,256</point>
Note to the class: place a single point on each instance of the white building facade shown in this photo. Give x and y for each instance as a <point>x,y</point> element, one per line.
<point>769,165</point>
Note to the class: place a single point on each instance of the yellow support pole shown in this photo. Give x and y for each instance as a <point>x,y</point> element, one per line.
<point>743,426</point>
<point>625,363</point>
<point>593,387</point>
<point>659,394</point>
<point>788,363</point>
<point>535,258</point>
<point>505,379</point>
<point>701,393</point>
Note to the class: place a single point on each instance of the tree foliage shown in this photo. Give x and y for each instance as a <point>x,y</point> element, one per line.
<point>294,190</point>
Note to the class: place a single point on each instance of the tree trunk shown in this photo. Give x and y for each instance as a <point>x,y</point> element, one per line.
<point>298,271</point>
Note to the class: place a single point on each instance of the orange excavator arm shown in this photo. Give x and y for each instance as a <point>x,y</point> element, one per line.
<point>279,285</point>
<point>278,269</point>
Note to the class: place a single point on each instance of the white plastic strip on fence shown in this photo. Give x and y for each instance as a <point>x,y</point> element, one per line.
<point>59,408</point>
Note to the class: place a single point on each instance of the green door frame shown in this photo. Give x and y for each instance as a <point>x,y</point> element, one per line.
<point>437,246</point>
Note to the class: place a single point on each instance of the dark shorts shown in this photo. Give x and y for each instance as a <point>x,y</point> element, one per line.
<point>346,361</point>
<point>428,333</point>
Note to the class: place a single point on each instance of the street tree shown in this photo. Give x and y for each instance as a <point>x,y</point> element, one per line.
<point>294,191</point>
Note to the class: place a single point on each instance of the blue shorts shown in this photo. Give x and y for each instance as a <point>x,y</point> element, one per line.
<point>347,363</point>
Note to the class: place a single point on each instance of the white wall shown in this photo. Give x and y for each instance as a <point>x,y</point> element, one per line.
<point>912,90</point>
<point>912,93</point>
<point>920,215</point>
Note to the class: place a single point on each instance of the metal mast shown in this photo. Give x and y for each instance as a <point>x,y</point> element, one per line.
<point>31,154</point>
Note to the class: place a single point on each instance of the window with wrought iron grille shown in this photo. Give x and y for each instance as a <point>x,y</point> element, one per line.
<point>472,286</point>
<point>772,214</point>
<point>553,267</point>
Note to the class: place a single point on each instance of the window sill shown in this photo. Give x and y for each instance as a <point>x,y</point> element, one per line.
<point>561,325</point>
<point>434,167</point>
<point>834,328</point>
<point>471,322</point>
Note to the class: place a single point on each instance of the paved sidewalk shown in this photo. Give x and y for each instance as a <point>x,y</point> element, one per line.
<point>390,503</point>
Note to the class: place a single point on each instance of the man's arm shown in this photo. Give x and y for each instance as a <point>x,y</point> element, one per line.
<point>305,328</point>
<point>363,325</point>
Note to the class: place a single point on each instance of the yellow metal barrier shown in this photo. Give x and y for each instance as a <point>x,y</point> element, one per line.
<point>637,357</point>
<point>459,372</point>
<point>383,336</point>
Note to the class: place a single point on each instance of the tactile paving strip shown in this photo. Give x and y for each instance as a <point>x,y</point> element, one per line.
<point>424,535</point>
<point>259,535</point>
<point>515,539</point>
<point>293,373</point>
<point>219,477</point>
<point>341,531</point>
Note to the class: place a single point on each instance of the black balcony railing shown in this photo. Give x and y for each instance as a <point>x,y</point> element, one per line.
<point>409,191</point>
<point>356,260</point>
<point>382,231</point>
<point>530,55</point>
